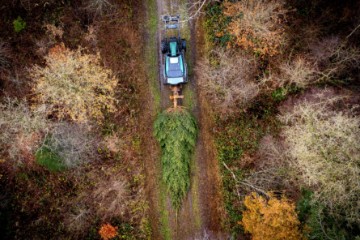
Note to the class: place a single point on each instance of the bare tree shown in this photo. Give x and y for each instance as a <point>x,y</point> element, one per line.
<point>98,7</point>
<point>272,171</point>
<point>21,129</point>
<point>299,72</point>
<point>334,58</point>
<point>74,143</point>
<point>324,148</point>
<point>228,80</point>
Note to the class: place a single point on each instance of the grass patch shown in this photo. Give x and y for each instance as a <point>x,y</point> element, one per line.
<point>152,74</point>
<point>164,214</point>
<point>176,131</point>
<point>195,194</point>
<point>151,54</point>
<point>189,100</point>
<point>49,159</point>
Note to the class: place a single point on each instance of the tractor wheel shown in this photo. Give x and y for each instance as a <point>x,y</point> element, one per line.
<point>183,44</point>
<point>163,46</point>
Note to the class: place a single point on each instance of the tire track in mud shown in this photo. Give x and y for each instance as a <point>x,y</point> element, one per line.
<point>201,213</point>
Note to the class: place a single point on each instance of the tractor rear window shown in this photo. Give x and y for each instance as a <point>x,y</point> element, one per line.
<point>173,68</point>
<point>174,60</point>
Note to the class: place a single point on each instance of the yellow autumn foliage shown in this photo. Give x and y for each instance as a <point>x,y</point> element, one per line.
<point>74,85</point>
<point>272,219</point>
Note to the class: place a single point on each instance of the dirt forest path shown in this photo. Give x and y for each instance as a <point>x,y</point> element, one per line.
<point>200,216</point>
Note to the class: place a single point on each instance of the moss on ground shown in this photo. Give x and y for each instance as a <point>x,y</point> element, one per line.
<point>49,159</point>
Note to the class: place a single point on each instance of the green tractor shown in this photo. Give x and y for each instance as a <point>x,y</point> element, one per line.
<point>173,49</point>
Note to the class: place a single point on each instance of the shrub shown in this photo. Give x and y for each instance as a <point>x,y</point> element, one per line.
<point>279,94</point>
<point>270,219</point>
<point>74,85</point>
<point>176,131</point>
<point>73,143</point>
<point>107,231</point>
<point>79,218</point>
<point>19,24</point>
<point>324,146</point>
<point>21,129</point>
<point>321,226</point>
<point>91,35</point>
<point>103,194</point>
<point>257,25</point>
<point>112,196</point>
<point>330,61</point>
<point>229,83</point>
<point>53,31</point>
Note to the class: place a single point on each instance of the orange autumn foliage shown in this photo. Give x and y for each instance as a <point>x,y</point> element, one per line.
<point>272,219</point>
<point>257,25</point>
<point>107,231</point>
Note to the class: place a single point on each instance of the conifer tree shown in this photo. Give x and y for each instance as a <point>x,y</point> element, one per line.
<point>176,132</point>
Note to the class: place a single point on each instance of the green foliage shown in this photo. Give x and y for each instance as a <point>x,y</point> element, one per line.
<point>234,137</point>
<point>238,135</point>
<point>49,159</point>
<point>19,24</point>
<point>232,206</point>
<point>176,131</point>
<point>216,24</point>
<point>321,227</point>
<point>279,94</point>
<point>303,206</point>
<point>317,223</point>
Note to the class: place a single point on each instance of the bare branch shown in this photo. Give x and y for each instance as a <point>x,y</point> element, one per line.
<point>244,183</point>
<point>201,4</point>
<point>353,31</point>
